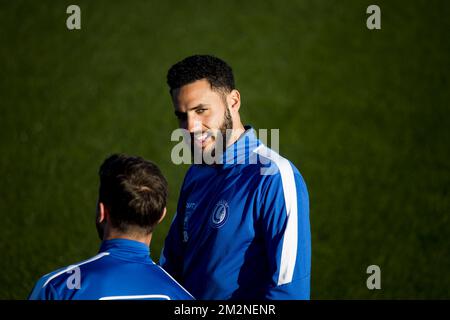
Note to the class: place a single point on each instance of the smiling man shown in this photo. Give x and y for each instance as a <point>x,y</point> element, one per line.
<point>204,112</point>
<point>237,233</point>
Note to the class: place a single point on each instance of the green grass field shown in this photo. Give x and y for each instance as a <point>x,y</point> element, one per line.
<point>363,114</point>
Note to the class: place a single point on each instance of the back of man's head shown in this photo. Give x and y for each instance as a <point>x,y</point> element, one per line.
<point>134,191</point>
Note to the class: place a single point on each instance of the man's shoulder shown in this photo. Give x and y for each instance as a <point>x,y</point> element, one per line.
<point>262,164</point>
<point>278,176</point>
<point>274,166</point>
<point>60,276</point>
<point>43,282</point>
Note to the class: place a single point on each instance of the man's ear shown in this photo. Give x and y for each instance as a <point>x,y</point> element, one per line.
<point>163,215</point>
<point>234,100</point>
<point>103,213</point>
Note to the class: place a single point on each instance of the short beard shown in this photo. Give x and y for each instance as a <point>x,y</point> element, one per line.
<point>226,125</point>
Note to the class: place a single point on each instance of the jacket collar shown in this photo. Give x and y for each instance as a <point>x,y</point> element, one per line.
<point>241,151</point>
<point>127,249</point>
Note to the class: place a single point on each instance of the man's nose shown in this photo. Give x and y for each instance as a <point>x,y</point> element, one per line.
<point>193,124</point>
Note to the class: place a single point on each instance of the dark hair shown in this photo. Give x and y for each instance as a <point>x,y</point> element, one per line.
<point>218,73</point>
<point>134,190</point>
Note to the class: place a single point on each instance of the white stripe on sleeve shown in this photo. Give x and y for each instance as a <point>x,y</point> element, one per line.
<point>69,268</point>
<point>289,248</point>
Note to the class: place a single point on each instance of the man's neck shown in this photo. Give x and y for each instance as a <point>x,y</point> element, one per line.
<point>237,132</point>
<point>146,239</point>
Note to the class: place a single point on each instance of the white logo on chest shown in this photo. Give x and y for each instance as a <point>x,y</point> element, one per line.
<point>220,214</point>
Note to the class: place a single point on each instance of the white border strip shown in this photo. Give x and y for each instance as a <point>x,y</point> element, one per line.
<point>175,281</point>
<point>289,249</point>
<point>145,296</point>
<point>69,268</point>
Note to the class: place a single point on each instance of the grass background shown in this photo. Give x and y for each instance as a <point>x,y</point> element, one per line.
<point>363,115</point>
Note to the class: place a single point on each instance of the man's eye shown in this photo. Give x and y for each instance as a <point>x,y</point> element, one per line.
<point>198,111</point>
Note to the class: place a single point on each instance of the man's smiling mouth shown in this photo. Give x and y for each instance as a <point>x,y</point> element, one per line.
<point>201,138</point>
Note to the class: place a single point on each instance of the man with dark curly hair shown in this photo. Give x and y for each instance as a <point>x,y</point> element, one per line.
<point>131,202</point>
<point>239,232</point>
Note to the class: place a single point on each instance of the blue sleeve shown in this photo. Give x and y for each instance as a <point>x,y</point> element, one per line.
<point>171,258</point>
<point>285,217</point>
<point>41,292</point>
